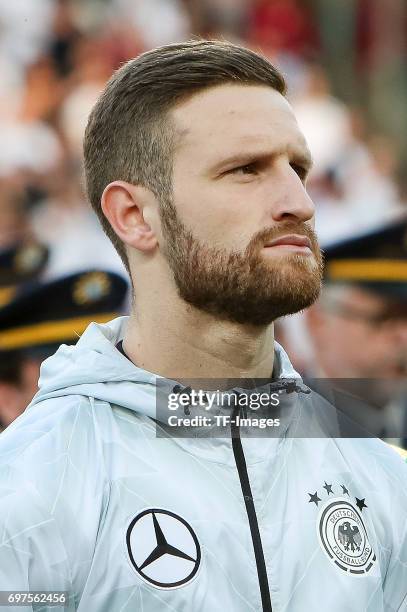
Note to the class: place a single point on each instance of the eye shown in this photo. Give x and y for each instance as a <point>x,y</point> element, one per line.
<point>300,170</point>
<point>247,169</point>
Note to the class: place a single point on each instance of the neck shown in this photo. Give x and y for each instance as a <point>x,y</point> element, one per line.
<point>178,341</point>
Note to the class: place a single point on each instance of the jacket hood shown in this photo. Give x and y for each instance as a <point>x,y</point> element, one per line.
<point>95,368</point>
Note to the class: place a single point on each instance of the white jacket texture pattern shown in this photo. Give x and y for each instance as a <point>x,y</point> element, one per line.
<point>94,504</point>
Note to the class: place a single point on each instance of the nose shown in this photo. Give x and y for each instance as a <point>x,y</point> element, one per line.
<point>290,198</point>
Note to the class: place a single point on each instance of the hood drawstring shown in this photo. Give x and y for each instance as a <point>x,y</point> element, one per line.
<point>290,386</point>
<point>187,390</point>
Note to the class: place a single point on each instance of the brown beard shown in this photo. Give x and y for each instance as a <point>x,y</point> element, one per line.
<point>242,287</point>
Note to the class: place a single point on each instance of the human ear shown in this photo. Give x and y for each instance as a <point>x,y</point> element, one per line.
<point>127,208</point>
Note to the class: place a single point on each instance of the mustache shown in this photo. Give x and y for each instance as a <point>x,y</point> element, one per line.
<point>274,233</point>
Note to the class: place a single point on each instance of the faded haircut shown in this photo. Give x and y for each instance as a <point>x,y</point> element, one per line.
<point>129,135</point>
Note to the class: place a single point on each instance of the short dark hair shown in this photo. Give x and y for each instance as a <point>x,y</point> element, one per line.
<point>129,136</point>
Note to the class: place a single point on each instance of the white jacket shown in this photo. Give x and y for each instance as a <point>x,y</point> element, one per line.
<point>93,503</point>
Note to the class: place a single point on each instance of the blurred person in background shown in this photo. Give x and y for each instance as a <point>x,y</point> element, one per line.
<point>366,284</point>
<point>20,266</point>
<point>41,318</point>
<point>358,327</point>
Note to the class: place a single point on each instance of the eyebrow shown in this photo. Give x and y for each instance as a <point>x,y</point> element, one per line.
<point>300,156</point>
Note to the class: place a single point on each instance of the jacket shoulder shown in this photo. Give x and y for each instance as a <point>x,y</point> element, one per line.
<point>54,448</point>
<point>52,475</point>
<point>42,429</point>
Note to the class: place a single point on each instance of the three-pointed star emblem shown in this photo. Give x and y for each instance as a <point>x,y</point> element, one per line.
<point>163,548</point>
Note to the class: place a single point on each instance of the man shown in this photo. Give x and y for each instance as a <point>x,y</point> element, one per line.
<point>197,170</point>
<point>365,292</point>
<point>358,327</point>
<point>20,266</point>
<point>39,319</point>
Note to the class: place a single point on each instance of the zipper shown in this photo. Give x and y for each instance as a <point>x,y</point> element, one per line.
<point>289,386</point>
<point>251,513</point>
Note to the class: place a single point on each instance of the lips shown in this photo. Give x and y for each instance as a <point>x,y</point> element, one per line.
<point>291,240</point>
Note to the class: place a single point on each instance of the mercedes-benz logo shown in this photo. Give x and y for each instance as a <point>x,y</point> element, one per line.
<point>163,548</point>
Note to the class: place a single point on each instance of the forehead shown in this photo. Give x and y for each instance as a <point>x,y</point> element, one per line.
<point>226,118</point>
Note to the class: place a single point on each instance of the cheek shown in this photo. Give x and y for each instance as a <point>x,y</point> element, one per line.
<point>386,346</point>
<point>349,338</point>
<point>223,218</point>
<point>370,347</point>
<point>362,340</point>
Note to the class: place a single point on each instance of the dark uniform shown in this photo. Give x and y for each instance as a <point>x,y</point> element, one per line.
<point>43,316</point>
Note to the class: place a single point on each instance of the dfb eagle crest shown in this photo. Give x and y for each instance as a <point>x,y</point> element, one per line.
<point>341,529</point>
<point>349,536</point>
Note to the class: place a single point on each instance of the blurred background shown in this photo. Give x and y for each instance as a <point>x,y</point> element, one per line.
<point>345,63</point>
